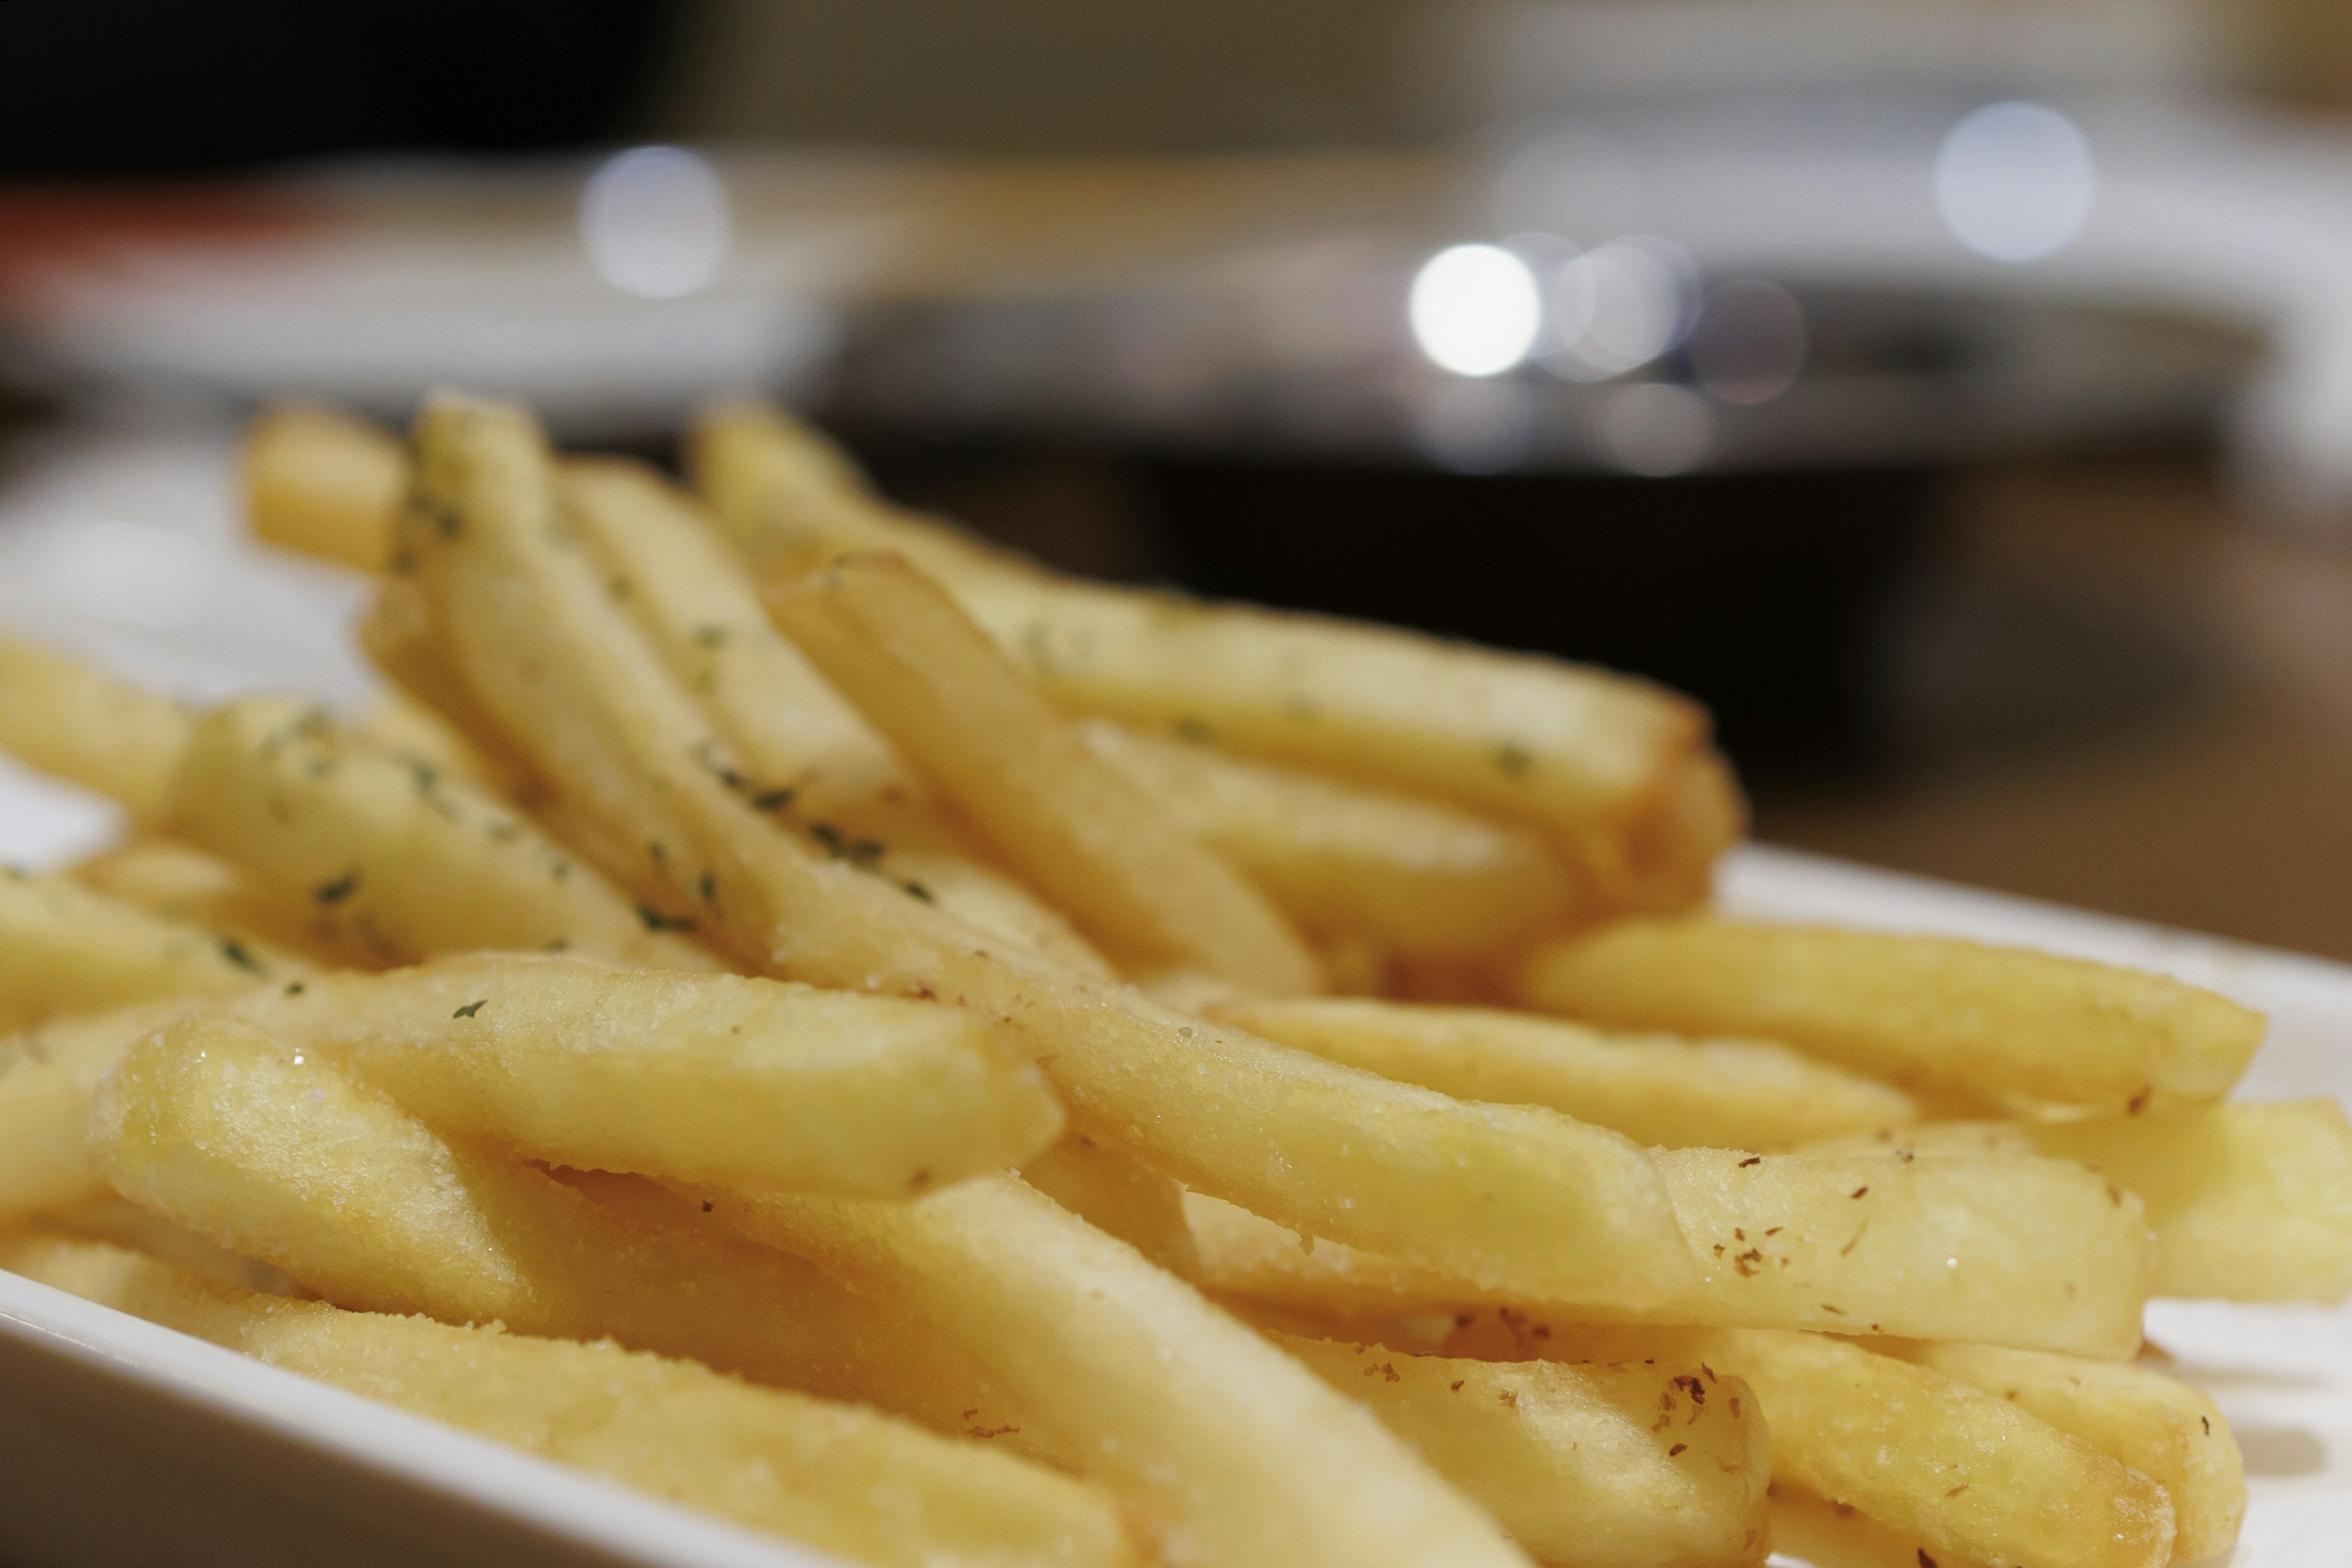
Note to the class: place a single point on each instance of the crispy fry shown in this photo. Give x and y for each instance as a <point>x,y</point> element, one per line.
<point>1656,1088</point>
<point>2157,1424</point>
<point>809,751</point>
<point>842,1479</point>
<point>2034,1253</point>
<point>1413,875</point>
<point>1237,1454</point>
<point>180,882</point>
<point>278,1155</point>
<point>323,482</point>
<point>1964,1473</point>
<point>1145,890</point>
<point>74,721</point>
<point>393,854</point>
<point>1113,1193</point>
<point>47,1073</point>
<point>64,949</point>
<point>400,637</point>
<point>1493,1193</point>
<point>401,726</point>
<point>1589,756</point>
<point>709,1078</point>
<point>1988,1021</point>
<point>1573,1461</point>
<point>2249,1202</point>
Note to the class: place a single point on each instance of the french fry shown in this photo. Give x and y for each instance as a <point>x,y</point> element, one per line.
<point>1235,1454</point>
<point>393,854</point>
<point>1575,1462</point>
<point>1919,1011</point>
<point>107,1217</point>
<point>323,483</point>
<point>1657,1090</point>
<point>2158,1425</point>
<point>64,949</point>
<point>1668,861</point>
<point>47,1073</point>
<point>703,1078</point>
<point>400,726</point>
<point>2034,1253</point>
<point>1965,1474</point>
<point>277,1155</point>
<point>811,752</point>
<point>1418,877</point>
<point>398,635</point>
<point>1115,1195</point>
<point>74,721</point>
<point>1493,1193</point>
<point>1148,892</point>
<point>180,882</point>
<point>842,1479</point>
<point>2249,1201</point>
<point>1587,755</point>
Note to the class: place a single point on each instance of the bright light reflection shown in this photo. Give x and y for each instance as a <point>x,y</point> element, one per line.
<point>2016,181</point>
<point>1475,309</point>
<point>1620,306</point>
<point>654,222</point>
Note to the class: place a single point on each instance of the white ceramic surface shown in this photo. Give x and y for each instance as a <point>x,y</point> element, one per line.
<point>124,1443</point>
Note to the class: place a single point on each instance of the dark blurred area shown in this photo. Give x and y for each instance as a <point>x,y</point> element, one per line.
<point>1953,394</point>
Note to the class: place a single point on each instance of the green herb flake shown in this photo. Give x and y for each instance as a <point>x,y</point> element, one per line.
<point>470,1008</point>
<point>656,921</point>
<point>336,892</point>
<point>1515,759</point>
<point>234,952</point>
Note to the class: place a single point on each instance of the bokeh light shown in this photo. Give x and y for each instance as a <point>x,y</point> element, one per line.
<point>1750,343</point>
<point>2016,181</point>
<point>1657,429</point>
<point>1475,309</point>
<point>654,222</point>
<point>1620,306</point>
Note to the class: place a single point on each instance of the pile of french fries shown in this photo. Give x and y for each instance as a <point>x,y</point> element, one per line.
<point>795,1010</point>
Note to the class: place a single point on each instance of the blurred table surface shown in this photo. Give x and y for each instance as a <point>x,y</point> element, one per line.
<point>2190,670</point>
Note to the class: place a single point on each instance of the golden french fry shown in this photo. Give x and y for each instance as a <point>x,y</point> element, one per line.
<point>1574,1462</point>
<point>105,1216</point>
<point>1419,878</point>
<point>64,949</point>
<point>1113,1193</point>
<point>2034,1253</point>
<point>393,854</point>
<point>2158,1425</point>
<point>323,482</point>
<point>47,1073</point>
<point>1235,1453</point>
<point>839,1479</point>
<point>400,726</point>
<point>1589,756</point>
<point>1965,1474</point>
<point>2250,1201</point>
<point>813,753</point>
<point>700,1077</point>
<point>400,637</point>
<point>1147,891</point>
<point>1988,1021</point>
<point>1656,1088</point>
<point>1493,1193</point>
<point>278,1155</point>
<point>74,721</point>
<point>1668,860</point>
<point>179,882</point>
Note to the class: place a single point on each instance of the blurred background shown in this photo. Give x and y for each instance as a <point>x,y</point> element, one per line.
<point>1955,394</point>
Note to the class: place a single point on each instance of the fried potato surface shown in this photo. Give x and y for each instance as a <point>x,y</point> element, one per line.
<point>393,854</point>
<point>1235,1453</point>
<point>1147,891</point>
<point>1578,1463</point>
<point>1416,876</point>
<point>88,727</point>
<point>843,1479</point>
<point>1919,1011</point>
<point>2158,1425</point>
<point>2250,1201</point>
<point>1658,1090</point>
<point>324,483</point>
<point>1493,1193</point>
<point>64,949</point>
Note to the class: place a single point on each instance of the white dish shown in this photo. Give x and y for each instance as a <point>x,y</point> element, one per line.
<point>125,1443</point>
